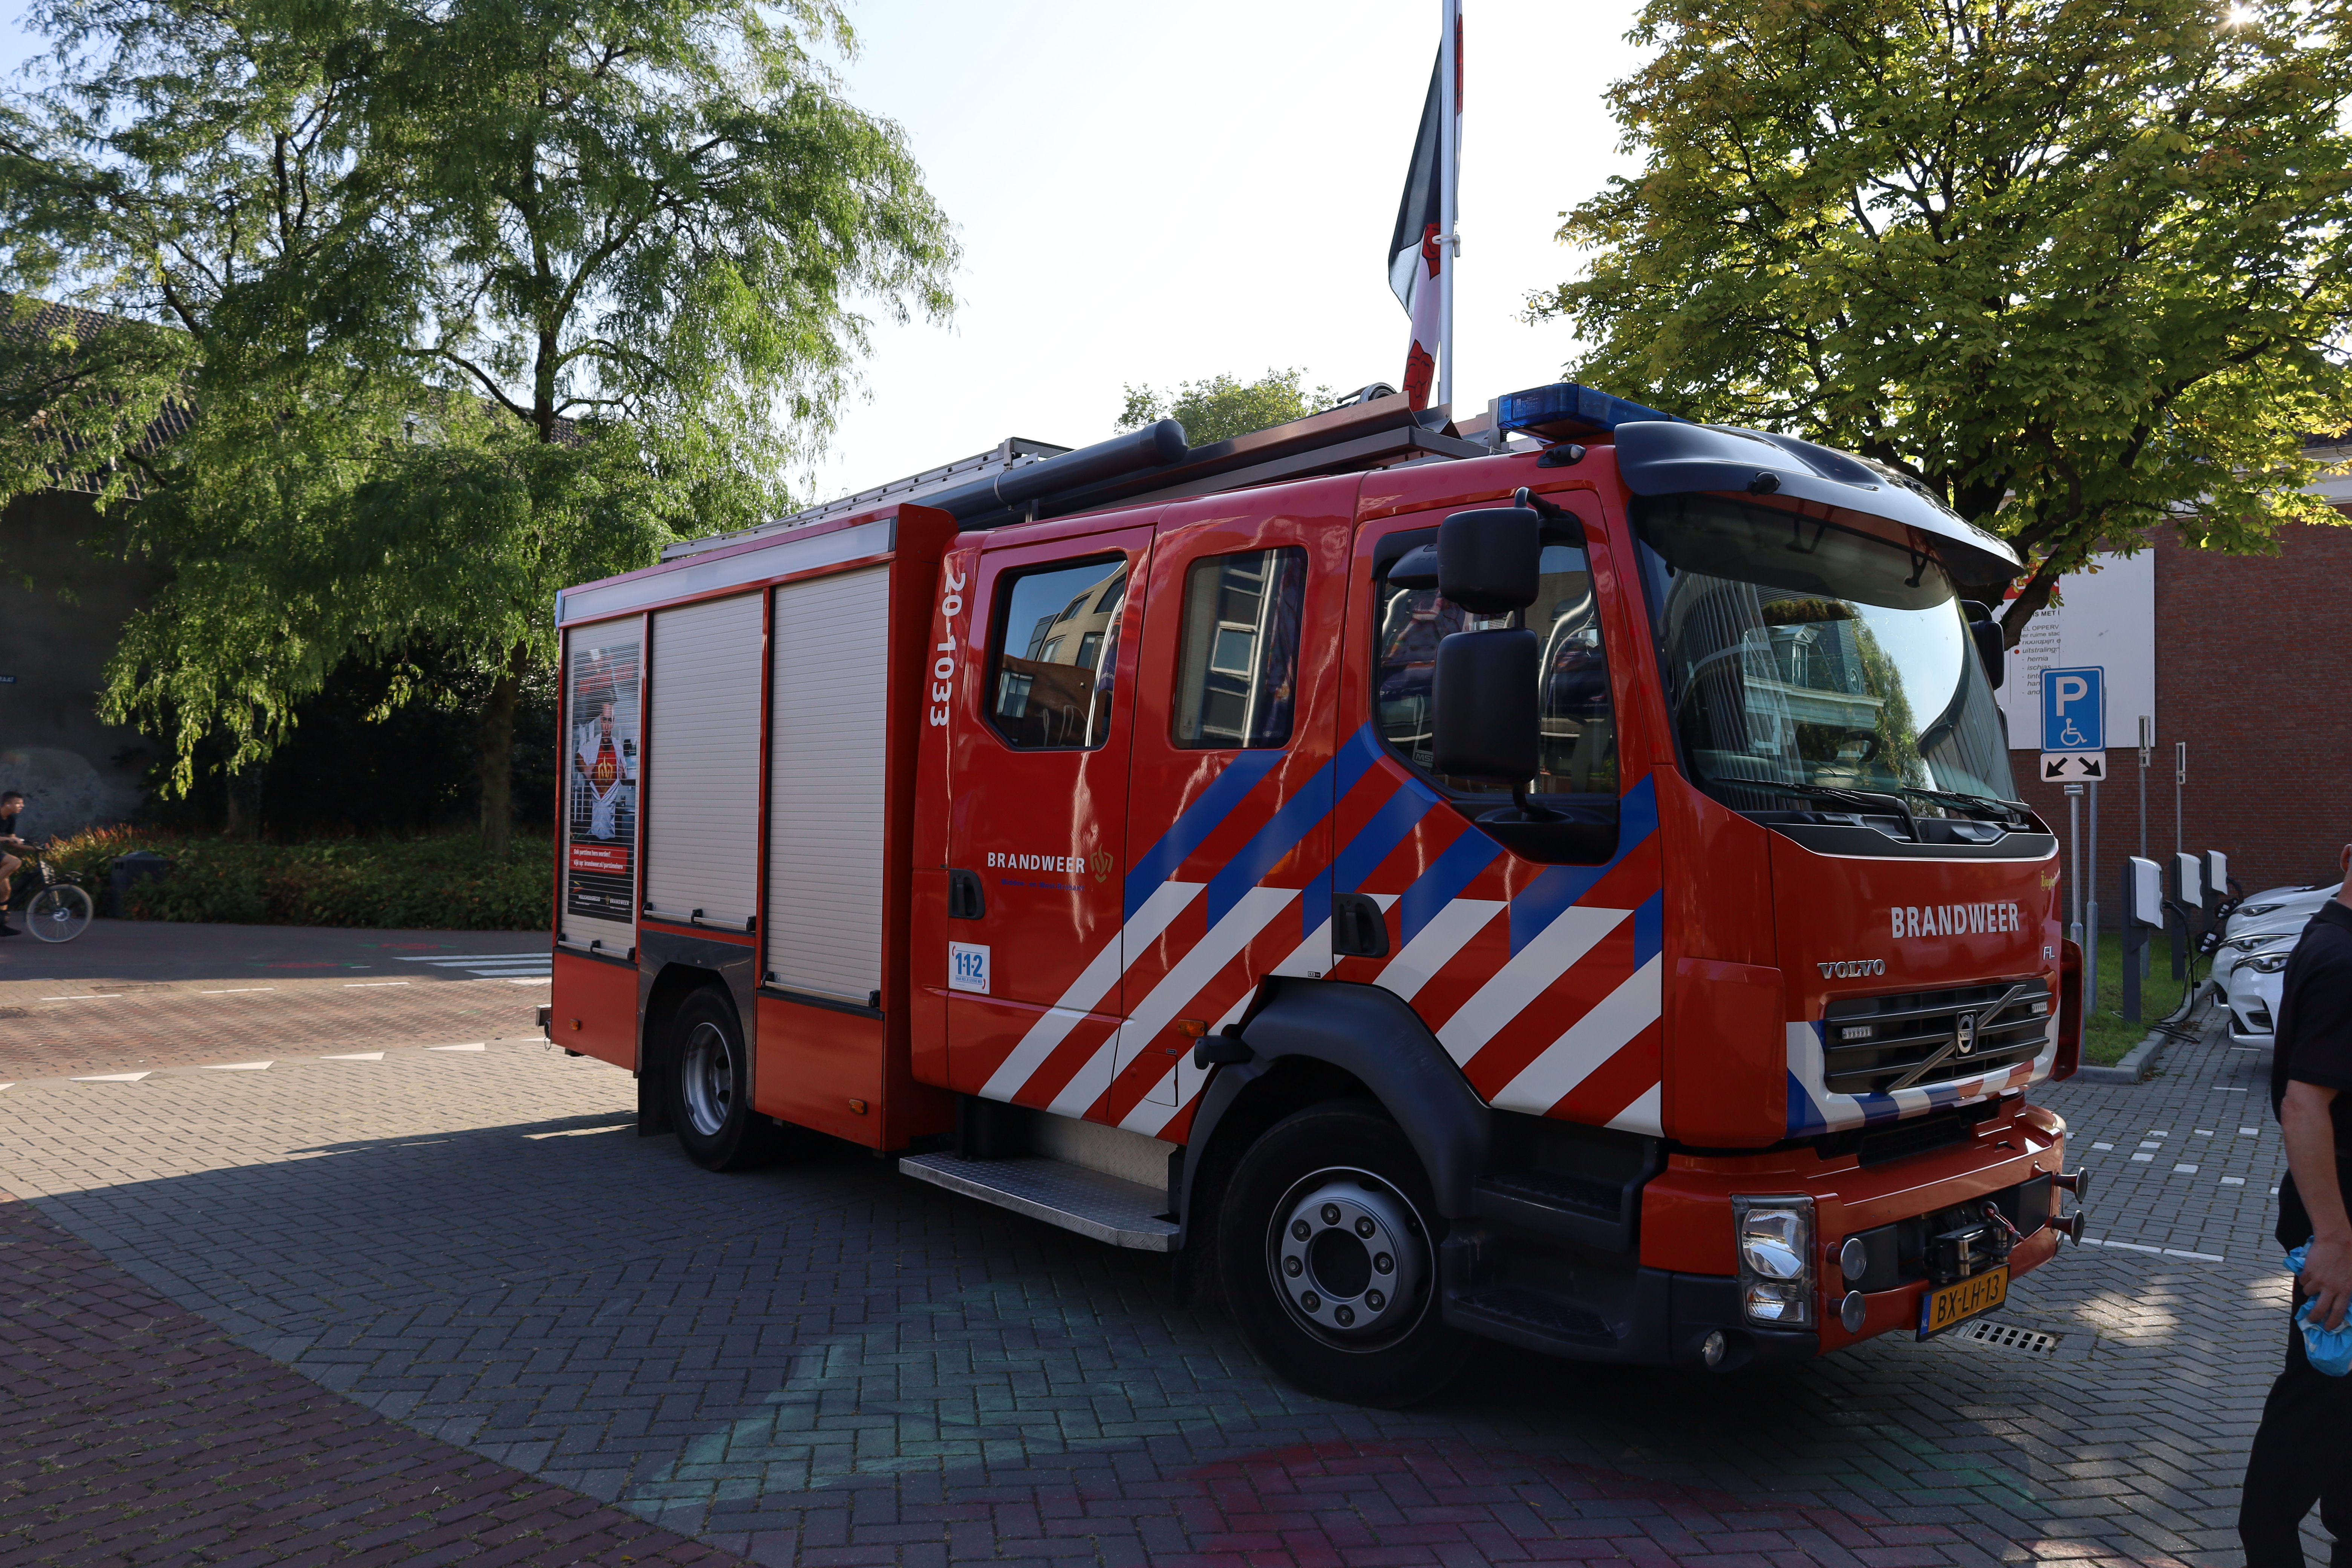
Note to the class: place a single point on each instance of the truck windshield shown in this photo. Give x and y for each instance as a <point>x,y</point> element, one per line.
<point>1797,652</point>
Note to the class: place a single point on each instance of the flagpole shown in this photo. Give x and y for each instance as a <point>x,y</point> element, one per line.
<point>1449,162</point>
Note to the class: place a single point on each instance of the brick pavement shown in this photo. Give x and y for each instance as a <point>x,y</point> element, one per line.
<point>134,1431</point>
<point>134,996</point>
<point>824,1363</point>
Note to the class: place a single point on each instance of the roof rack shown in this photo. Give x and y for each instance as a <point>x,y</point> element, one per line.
<point>1022,481</point>
<point>1012,452</point>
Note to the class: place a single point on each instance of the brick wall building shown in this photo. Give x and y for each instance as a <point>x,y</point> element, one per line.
<point>2250,671</point>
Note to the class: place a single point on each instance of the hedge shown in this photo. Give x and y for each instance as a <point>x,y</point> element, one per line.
<point>443,883</point>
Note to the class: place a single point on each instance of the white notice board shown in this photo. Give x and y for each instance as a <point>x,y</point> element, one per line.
<point>2105,616</point>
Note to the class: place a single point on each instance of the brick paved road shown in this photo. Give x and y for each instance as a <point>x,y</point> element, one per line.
<point>131,1430</point>
<point>137,994</point>
<point>824,1363</point>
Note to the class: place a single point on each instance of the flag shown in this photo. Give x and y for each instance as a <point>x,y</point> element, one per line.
<point>1417,250</point>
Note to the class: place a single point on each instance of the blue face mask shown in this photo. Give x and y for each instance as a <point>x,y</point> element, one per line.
<point>2329,1350</point>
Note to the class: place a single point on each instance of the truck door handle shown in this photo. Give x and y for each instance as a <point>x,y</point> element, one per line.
<point>1359,929</point>
<point>965,899</point>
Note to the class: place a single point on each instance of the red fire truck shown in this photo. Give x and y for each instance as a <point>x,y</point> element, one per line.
<point>1554,881</point>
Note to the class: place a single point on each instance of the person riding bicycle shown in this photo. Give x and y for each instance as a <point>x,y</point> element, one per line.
<point>12,806</point>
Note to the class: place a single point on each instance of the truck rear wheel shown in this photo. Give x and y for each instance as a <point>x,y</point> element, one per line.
<point>1327,1246</point>
<point>710,1072</point>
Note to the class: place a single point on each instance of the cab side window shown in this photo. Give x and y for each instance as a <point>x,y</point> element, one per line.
<point>1237,657</point>
<point>1578,750</point>
<point>1053,653</point>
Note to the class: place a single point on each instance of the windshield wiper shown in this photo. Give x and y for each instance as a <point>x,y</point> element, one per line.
<point>2002,810</point>
<point>1842,796</point>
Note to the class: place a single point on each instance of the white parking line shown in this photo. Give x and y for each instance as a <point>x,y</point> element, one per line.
<point>112,1078</point>
<point>94,997</point>
<point>235,1067</point>
<point>370,984</point>
<point>476,1046</point>
<point>356,1057</point>
<point>237,991</point>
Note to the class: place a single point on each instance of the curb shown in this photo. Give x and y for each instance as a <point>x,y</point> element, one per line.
<point>2140,1063</point>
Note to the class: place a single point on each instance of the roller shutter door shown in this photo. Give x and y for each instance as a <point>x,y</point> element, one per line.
<point>702,762</point>
<point>825,812</point>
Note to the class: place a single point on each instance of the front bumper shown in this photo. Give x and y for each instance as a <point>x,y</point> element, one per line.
<point>1504,1283</point>
<point>2252,1000</point>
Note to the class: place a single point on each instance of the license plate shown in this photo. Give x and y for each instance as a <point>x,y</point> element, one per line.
<point>1941,1309</point>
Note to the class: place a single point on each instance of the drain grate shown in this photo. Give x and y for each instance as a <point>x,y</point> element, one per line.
<point>2008,1337</point>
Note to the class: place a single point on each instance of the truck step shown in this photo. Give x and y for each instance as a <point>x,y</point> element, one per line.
<point>1125,1214</point>
<point>1537,1317</point>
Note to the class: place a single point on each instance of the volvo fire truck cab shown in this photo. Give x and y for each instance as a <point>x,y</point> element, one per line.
<point>1557,883</point>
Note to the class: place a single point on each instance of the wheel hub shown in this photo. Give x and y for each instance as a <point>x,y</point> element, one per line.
<point>1349,1255</point>
<point>707,1073</point>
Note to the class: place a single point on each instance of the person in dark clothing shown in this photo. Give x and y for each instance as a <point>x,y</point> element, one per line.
<point>2303,1451</point>
<point>12,806</point>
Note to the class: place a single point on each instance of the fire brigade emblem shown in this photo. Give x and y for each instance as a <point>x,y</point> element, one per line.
<point>1101,862</point>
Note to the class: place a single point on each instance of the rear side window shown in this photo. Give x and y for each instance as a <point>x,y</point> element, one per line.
<point>1053,652</point>
<point>1237,663</point>
<point>1578,750</point>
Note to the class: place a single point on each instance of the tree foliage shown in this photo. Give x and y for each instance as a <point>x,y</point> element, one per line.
<point>2079,270</point>
<point>467,302</point>
<point>1225,407</point>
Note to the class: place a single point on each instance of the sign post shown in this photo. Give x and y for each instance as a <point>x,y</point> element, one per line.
<point>2075,754</point>
<point>2074,875</point>
<point>2146,743</point>
<point>2091,912</point>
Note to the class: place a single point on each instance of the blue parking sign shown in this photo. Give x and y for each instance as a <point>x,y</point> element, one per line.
<point>2075,708</point>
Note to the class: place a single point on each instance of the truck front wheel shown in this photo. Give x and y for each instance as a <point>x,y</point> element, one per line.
<point>710,1072</point>
<point>1327,1246</point>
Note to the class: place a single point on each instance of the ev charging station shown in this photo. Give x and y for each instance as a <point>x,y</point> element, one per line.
<point>2143,911</point>
<point>2217,884</point>
<point>2187,896</point>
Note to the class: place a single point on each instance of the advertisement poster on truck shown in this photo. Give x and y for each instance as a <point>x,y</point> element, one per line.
<point>601,825</point>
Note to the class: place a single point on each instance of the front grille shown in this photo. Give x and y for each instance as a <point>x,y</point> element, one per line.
<point>1871,1043</point>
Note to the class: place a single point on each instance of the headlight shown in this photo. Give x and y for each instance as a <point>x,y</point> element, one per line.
<point>1775,1259</point>
<point>2251,911</point>
<point>2248,943</point>
<point>2268,962</point>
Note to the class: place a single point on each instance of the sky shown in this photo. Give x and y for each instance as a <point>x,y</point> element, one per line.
<point>1149,194</point>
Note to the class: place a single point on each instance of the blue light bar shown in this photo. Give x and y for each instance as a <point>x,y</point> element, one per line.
<point>1565,408</point>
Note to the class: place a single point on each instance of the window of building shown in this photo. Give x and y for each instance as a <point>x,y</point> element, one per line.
<point>1054,653</point>
<point>1237,663</point>
<point>1578,750</point>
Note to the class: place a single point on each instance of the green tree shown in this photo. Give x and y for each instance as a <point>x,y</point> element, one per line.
<point>563,283</point>
<point>1224,407</point>
<point>2077,270</point>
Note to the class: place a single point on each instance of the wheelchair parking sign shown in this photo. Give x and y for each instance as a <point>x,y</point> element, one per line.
<point>2073,724</point>
<point>2075,708</point>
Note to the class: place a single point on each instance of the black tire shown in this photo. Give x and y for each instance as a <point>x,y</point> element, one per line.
<point>1348,1308</point>
<point>708,1070</point>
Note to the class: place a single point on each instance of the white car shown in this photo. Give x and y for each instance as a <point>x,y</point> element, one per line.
<point>2248,967</point>
<point>2264,907</point>
<point>2254,995</point>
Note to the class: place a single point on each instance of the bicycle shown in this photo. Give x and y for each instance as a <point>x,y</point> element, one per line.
<point>60,909</point>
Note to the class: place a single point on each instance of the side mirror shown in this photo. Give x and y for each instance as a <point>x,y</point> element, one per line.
<point>1491,561</point>
<point>1485,697</point>
<point>1486,730</point>
<point>1985,633</point>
